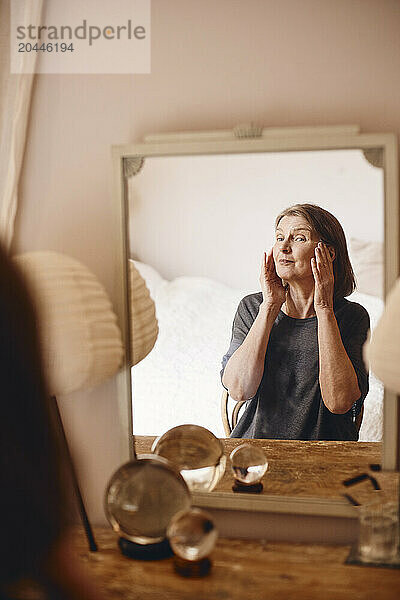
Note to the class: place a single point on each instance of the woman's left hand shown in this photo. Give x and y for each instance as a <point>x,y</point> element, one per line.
<point>322,269</point>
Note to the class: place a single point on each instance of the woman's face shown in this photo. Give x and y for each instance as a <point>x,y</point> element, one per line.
<point>294,247</point>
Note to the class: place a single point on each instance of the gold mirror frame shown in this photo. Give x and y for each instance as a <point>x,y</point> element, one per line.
<point>378,148</point>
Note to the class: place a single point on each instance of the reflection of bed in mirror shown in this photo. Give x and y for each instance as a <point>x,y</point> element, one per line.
<point>198,226</point>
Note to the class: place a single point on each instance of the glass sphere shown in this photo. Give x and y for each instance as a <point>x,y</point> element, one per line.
<point>248,464</point>
<point>142,497</point>
<point>196,453</point>
<point>192,534</point>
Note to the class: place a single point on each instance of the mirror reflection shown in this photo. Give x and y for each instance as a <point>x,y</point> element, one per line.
<point>199,227</point>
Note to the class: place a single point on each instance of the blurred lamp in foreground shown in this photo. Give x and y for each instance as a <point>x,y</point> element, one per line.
<point>248,464</point>
<point>143,322</point>
<point>383,351</point>
<point>192,536</point>
<point>141,498</point>
<point>81,341</point>
<point>196,453</point>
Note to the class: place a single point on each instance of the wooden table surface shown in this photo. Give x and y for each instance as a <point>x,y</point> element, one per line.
<point>242,570</point>
<point>257,570</point>
<point>301,468</point>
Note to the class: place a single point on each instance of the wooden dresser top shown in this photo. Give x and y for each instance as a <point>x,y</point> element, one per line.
<point>242,570</point>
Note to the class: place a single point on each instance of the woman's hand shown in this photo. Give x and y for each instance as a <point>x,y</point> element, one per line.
<point>274,292</point>
<point>322,269</point>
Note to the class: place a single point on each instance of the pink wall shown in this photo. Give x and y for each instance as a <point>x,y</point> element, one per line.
<point>214,64</point>
<point>286,62</point>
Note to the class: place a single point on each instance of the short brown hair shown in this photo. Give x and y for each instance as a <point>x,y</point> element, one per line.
<point>329,231</point>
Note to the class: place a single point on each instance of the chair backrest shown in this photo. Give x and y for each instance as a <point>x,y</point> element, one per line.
<point>359,418</point>
<point>230,423</point>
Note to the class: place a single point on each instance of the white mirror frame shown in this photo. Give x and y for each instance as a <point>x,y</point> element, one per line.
<point>253,139</point>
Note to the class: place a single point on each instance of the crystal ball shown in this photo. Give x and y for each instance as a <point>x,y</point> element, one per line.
<point>248,464</point>
<point>192,534</point>
<point>196,453</point>
<point>142,496</point>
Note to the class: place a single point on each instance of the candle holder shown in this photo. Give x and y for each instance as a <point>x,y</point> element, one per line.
<point>378,516</point>
<point>378,539</point>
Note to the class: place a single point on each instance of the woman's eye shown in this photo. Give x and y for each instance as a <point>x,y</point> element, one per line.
<point>279,239</point>
<point>299,238</point>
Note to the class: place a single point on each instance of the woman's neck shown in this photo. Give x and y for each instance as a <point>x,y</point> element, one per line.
<point>299,302</point>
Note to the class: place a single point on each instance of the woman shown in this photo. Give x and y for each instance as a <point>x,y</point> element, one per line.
<point>33,501</point>
<point>296,347</point>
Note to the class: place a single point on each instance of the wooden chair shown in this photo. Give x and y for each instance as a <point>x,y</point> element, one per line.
<point>230,423</point>
<point>359,418</point>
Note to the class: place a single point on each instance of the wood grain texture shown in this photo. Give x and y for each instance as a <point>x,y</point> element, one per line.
<point>260,570</point>
<point>308,469</point>
<point>241,570</point>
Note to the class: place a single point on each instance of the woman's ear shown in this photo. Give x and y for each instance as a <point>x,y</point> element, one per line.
<point>332,252</point>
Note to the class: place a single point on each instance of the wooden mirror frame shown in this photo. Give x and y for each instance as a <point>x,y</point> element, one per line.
<point>381,147</point>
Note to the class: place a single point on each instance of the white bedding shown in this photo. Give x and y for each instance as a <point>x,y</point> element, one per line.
<point>179,382</point>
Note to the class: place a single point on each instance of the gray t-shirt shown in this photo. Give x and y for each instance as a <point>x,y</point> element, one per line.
<point>288,403</point>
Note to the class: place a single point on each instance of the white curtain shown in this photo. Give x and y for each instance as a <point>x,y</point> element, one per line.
<point>15,100</point>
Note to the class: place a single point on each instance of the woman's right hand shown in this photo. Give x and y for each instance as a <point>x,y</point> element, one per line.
<point>274,292</point>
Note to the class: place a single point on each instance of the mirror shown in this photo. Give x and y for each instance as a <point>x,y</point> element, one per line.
<point>199,213</point>
<point>198,226</point>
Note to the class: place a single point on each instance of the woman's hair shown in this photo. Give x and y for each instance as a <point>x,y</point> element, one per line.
<point>32,503</point>
<point>328,230</point>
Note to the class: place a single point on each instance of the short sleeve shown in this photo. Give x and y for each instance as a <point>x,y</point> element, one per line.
<point>242,322</point>
<point>353,341</point>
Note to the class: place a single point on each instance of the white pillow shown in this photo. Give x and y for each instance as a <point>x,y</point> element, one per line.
<point>367,261</point>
